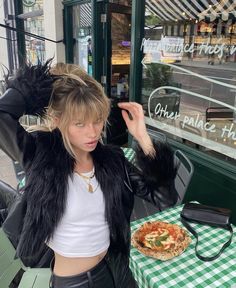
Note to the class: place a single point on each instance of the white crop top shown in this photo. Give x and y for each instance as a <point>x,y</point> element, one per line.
<point>83,230</point>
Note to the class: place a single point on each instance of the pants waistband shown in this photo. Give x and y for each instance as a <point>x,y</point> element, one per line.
<point>81,276</point>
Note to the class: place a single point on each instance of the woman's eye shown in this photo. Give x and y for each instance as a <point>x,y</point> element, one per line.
<point>79,124</point>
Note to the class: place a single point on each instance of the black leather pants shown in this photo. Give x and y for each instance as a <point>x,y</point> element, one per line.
<point>98,277</point>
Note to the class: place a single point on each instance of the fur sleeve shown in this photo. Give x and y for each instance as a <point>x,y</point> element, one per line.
<point>160,169</point>
<point>33,86</point>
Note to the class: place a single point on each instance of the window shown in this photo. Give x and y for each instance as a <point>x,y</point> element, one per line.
<point>34,23</point>
<point>82,23</point>
<point>189,79</point>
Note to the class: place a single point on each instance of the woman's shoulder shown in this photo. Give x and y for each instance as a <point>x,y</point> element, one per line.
<point>108,153</point>
<point>112,149</point>
<point>42,135</point>
<point>48,140</point>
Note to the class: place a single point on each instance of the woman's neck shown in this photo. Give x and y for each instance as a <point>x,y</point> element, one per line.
<point>84,163</point>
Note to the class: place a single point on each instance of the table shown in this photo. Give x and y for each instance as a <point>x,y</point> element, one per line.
<point>187,270</point>
<point>129,154</point>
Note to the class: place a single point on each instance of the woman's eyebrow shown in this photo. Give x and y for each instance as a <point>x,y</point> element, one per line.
<point>77,120</point>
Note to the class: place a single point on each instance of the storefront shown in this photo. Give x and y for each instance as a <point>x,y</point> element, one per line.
<point>178,59</point>
<point>189,89</point>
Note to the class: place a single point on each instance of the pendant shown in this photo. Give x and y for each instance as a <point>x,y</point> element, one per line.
<point>90,188</point>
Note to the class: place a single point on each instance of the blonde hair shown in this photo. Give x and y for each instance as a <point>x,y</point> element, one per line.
<point>75,94</point>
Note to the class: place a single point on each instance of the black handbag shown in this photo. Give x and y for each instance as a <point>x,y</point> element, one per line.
<point>208,215</point>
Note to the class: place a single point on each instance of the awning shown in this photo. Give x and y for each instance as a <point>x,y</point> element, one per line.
<point>223,10</point>
<point>180,10</point>
<point>85,15</point>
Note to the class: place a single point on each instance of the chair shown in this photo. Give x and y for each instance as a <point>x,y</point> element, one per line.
<point>184,174</point>
<point>7,197</point>
<point>143,208</point>
<point>155,135</point>
<point>9,268</point>
<point>219,113</point>
<point>20,173</point>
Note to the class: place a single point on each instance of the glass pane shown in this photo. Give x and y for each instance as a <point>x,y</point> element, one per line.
<point>189,79</point>
<point>121,37</point>
<point>82,22</point>
<point>35,48</point>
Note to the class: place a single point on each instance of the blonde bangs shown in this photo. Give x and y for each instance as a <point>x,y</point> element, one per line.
<point>87,109</point>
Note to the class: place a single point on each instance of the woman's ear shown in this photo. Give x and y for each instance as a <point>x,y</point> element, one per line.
<point>55,121</point>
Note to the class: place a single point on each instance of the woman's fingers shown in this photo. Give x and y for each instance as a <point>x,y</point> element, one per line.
<point>125,115</point>
<point>134,109</point>
<point>128,105</point>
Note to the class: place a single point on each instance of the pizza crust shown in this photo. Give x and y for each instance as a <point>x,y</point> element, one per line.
<point>182,240</point>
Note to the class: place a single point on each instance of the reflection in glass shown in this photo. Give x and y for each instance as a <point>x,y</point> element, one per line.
<point>189,82</point>
<point>82,23</point>
<point>121,43</point>
<point>121,35</point>
<point>35,48</point>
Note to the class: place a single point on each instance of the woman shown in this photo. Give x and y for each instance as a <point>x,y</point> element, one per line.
<point>79,193</point>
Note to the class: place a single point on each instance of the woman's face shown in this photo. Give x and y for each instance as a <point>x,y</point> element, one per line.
<point>84,135</point>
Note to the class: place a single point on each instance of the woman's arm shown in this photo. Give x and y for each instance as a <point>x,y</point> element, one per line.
<point>28,92</point>
<point>154,180</point>
<point>14,140</point>
<point>133,116</point>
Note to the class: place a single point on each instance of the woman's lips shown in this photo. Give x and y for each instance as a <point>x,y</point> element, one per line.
<point>92,143</point>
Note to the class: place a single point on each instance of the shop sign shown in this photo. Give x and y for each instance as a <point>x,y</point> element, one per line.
<point>171,49</point>
<point>29,3</point>
<point>211,135</point>
<point>228,131</point>
<point>193,125</point>
<point>168,49</point>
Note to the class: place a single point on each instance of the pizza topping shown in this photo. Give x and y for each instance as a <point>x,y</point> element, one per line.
<point>158,239</point>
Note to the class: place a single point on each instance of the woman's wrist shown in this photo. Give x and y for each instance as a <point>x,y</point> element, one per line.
<point>146,145</point>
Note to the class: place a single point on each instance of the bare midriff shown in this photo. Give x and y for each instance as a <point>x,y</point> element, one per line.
<point>67,266</point>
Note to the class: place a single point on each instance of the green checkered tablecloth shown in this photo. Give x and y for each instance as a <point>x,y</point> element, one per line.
<point>129,154</point>
<point>187,270</point>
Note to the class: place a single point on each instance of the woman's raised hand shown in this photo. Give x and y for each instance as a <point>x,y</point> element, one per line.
<point>136,124</point>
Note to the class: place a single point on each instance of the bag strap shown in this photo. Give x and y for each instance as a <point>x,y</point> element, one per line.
<point>209,258</point>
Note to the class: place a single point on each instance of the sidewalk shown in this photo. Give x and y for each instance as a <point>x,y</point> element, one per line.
<point>231,66</point>
<point>7,173</point>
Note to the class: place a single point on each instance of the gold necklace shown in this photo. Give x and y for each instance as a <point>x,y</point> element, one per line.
<point>87,180</point>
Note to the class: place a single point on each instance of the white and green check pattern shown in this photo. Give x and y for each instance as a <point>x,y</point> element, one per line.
<point>187,270</point>
<point>129,154</point>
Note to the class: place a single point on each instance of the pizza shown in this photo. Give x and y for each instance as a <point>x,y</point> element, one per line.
<point>160,240</point>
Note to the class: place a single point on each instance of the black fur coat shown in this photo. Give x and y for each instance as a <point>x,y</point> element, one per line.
<point>48,166</point>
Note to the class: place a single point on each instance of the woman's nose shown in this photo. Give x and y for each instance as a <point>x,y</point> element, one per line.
<point>91,130</point>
